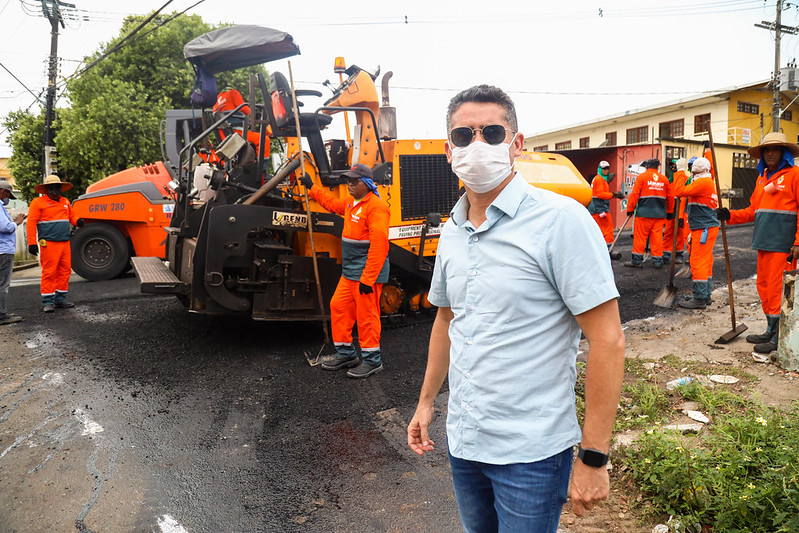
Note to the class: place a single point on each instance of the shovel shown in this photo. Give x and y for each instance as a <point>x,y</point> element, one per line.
<point>610,250</point>
<point>668,294</point>
<point>736,329</point>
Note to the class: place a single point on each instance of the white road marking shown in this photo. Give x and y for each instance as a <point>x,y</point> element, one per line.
<point>54,378</point>
<point>90,427</point>
<point>170,525</point>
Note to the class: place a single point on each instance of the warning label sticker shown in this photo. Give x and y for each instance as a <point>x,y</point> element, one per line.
<point>409,232</point>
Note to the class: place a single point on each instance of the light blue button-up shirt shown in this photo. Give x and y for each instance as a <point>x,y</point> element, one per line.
<point>514,285</point>
<point>8,232</point>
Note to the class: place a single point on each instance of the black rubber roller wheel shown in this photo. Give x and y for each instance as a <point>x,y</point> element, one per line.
<point>99,252</point>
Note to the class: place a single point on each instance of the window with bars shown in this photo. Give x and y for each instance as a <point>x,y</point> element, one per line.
<point>701,123</point>
<point>787,115</point>
<point>752,109</point>
<point>637,135</point>
<point>743,160</point>
<point>584,142</point>
<point>610,138</point>
<point>672,130</point>
<point>566,145</point>
<point>542,148</point>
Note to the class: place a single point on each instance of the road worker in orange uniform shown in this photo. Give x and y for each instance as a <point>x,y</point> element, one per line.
<point>652,203</point>
<point>49,220</point>
<point>680,176</point>
<point>773,207</point>
<point>364,270</point>
<point>702,201</point>
<point>600,201</point>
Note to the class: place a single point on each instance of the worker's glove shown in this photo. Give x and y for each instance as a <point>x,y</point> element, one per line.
<point>80,222</point>
<point>618,194</point>
<point>669,216</point>
<point>630,213</point>
<point>680,222</point>
<point>722,213</point>
<point>33,249</point>
<point>705,146</point>
<point>306,180</point>
<point>363,288</point>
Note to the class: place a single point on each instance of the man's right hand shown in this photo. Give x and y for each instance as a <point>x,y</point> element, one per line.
<point>618,194</point>
<point>630,213</point>
<point>722,213</point>
<point>33,249</point>
<point>306,180</point>
<point>418,438</point>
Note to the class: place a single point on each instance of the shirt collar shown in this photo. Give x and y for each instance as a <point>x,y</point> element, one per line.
<point>507,202</point>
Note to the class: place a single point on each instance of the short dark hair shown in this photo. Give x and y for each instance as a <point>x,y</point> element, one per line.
<point>484,94</point>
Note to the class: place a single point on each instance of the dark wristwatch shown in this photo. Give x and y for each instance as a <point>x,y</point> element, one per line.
<point>593,458</point>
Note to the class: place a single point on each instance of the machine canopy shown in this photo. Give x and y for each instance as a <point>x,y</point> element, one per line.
<point>239,46</point>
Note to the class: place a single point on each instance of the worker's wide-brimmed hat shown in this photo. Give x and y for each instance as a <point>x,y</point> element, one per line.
<point>774,139</point>
<point>52,180</point>
<point>7,187</point>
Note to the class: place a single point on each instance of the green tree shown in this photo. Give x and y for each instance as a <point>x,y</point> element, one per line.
<point>116,106</point>
<point>26,135</point>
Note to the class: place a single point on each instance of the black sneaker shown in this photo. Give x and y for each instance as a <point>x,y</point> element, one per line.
<point>10,319</point>
<point>693,303</point>
<point>634,265</point>
<point>334,362</point>
<point>766,347</point>
<point>64,305</point>
<point>364,370</point>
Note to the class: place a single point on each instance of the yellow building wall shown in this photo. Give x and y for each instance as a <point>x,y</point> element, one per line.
<point>763,98</point>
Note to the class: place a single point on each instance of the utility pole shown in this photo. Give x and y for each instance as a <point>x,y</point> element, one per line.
<point>779,29</point>
<point>51,9</point>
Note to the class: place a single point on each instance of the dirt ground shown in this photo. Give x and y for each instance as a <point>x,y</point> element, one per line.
<point>690,336</point>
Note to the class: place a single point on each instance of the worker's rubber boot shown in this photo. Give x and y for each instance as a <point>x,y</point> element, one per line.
<point>346,357</point>
<point>657,262</point>
<point>771,329</point>
<point>666,257</point>
<point>767,347</point>
<point>371,363</point>
<point>678,259</point>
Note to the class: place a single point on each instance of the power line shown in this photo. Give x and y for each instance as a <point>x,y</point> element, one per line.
<point>123,40</point>
<point>20,82</point>
<point>120,45</point>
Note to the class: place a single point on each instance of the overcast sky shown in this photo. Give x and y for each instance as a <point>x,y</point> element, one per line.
<point>563,63</point>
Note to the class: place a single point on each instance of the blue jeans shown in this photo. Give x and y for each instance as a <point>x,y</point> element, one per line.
<point>514,498</point>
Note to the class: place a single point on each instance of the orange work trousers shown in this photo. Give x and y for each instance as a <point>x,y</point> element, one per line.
<point>605,224</point>
<point>651,228</point>
<point>702,254</point>
<point>349,306</point>
<point>770,266</point>
<point>56,261</point>
<point>668,239</point>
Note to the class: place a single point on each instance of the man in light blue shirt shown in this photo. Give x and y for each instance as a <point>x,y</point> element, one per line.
<point>519,273</point>
<point>8,245</point>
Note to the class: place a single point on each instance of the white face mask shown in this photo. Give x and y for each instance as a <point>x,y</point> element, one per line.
<point>482,166</point>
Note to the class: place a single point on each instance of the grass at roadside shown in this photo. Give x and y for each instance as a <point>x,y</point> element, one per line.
<point>739,473</point>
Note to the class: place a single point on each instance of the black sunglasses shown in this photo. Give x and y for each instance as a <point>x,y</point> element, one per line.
<point>493,134</point>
